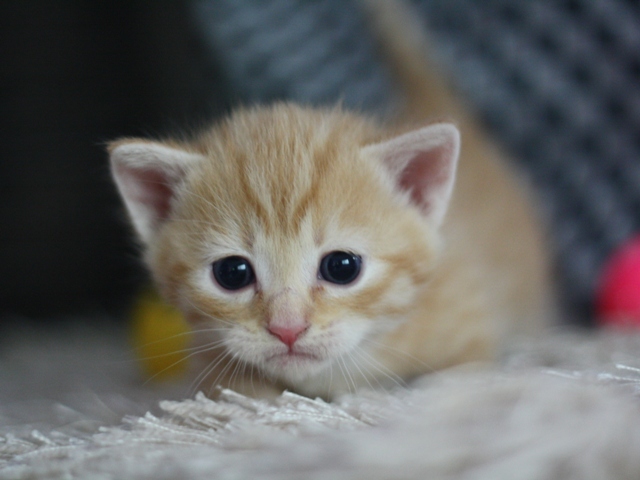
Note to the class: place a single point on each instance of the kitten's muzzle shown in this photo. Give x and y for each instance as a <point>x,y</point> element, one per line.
<point>287,316</point>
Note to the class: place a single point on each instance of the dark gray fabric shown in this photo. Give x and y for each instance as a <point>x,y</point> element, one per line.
<point>312,52</point>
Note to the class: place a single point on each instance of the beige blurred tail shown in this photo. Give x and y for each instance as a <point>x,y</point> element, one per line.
<point>487,192</point>
<point>401,38</point>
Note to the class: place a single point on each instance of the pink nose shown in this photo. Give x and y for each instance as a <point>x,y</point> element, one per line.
<point>287,335</point>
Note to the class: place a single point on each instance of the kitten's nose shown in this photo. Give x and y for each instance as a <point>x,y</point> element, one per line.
<point>289,334</point>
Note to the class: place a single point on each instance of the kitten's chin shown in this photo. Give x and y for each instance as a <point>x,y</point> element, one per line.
<point>293,367</point>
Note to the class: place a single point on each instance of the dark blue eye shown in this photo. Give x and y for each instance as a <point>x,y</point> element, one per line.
<point>233,273</point>
<point>340,267</point>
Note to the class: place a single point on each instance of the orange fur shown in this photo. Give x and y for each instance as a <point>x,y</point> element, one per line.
<point>284,185</point>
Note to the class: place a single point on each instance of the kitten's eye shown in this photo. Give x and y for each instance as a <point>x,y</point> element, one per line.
<point>340,267</point>
<point>233,273</point>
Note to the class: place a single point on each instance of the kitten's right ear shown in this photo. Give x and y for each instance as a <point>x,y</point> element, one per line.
<point>148,175</point>
<point>423,163</point>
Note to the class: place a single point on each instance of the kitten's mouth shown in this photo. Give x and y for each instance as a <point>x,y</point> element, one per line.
<point>294,365</point>
<point>293,355</point>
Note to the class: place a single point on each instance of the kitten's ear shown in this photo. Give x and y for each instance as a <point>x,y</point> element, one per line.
<point>148,175</point>
<point>423,163</point>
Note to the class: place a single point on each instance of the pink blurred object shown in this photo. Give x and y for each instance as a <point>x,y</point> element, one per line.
<point>618,294</point>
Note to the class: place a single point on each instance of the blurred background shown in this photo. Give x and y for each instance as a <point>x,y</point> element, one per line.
<point>556,81</point>
<point>74,75</point>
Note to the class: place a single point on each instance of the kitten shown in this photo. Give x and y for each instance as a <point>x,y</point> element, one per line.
<point>320,251</point>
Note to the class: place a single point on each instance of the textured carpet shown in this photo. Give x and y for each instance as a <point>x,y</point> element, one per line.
<point>563,407</point>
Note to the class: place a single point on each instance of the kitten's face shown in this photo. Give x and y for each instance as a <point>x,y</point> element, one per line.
<point>294,241</point>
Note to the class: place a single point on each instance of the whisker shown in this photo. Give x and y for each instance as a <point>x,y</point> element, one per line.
<point>224,372</point>
<point>243,374</point>
<point>357,366</point>
<point>253,387</point>
<point>184,359</point>
<point>206,371</point>
<point>344,376</point>
<point>374,363</point>
<point>400,354</point>
<point>235,374</point>
<point>196,349</point>
<point>347,375</point>
<point>367,368</point>
<point>330,379</point>
<point>177,335</point>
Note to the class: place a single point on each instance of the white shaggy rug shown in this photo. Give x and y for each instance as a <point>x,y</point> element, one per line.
<point>565,407</point>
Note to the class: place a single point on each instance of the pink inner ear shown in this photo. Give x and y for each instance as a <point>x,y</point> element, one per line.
<point>153,189</point>
<point>425,175</point>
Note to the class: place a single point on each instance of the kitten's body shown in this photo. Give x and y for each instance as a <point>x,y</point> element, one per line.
<point>284,186</point>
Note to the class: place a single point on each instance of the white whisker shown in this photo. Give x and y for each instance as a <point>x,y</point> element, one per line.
<point>195,384</point>
<point>200,350</point>
<point>384,371</point>
<point>165,339</point>
<point>400,354</point>
<point>347,375</point>
<point>231,362</point>
<point>357,366</point>
<point>194,350</point>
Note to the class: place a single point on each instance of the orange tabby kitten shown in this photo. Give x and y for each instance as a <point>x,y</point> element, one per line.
<point>317,250</point>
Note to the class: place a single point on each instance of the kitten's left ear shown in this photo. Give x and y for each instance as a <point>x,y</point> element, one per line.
<point>148,176</point>
<point>423,163</point>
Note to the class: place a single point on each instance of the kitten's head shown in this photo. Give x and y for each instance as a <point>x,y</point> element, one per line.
<point>299,234</point>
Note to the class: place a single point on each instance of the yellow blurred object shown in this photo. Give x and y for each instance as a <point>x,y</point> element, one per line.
<point>160,336</point>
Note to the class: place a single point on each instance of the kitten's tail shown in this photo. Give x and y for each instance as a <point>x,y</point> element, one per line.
<point>403,42</point>
<point>485,187</point>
